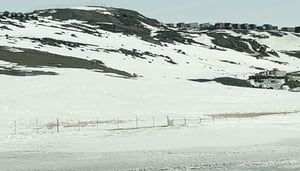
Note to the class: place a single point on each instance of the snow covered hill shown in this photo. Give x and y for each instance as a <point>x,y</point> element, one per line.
<point>116,65</point>
<point>126,62</point>
<point>127,41</point>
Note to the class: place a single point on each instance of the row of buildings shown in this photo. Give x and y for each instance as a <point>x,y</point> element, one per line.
<point>19,16</point>
<point>230,26</point>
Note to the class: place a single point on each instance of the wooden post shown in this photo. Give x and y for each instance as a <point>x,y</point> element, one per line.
<point>200,120</point>
<point>118,122</point>
<point>37,126</point>
<point>97,122</point>
<point>57,125</point>
<point>168,120</point>
<point>184,121</point>
<point>153,121</point>
<point>78,125</point>
<point>15,125</point>
<point>136,122</point>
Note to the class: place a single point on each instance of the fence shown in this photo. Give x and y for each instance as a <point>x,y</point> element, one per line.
<point>118,124</point>
<point>31,126</point>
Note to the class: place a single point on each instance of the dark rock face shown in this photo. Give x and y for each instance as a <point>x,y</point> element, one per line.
<point>37,59</point>
<point>238,44</point>
<point>227,81</point>
<point>120,21</point>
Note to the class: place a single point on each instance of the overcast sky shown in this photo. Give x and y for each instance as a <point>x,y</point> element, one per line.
<point>279,12</point>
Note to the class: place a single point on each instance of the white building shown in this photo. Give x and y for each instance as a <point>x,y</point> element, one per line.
<point>205,26</point>
<point>273,73</point>
<point>192,25</point>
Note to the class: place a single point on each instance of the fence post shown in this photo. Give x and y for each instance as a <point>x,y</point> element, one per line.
<point>15,125</point>
<point>118,122</point>
<point>168,120</point>
<point>184,121</point>
<point>153,121</point>
<point>200,119</point>
<point>136,122</point>
<point>97,122</point>
<point>37,126</point>
<point>78,125</point>
<point>57,125</point>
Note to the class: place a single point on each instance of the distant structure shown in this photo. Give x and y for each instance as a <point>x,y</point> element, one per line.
<point>205,26</point>
<point>245,26</point>
<point>276,79</point>
<point>272,73</point>
<point>268,27</point>
<point>192,26</point>
<point>252,26</point>
<point>231,26</point>
<point>18,16</point>
<point>219,26</point>
<point>181,25</point>
<point>172,25</point>
<point>288,29</point>
<point>236,26</point>
<point>228,26</point>
<point>273,79</point>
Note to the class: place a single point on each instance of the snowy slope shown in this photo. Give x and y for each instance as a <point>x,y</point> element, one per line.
<point>198,60</point>
<point>161,67</point>
<point>125,74</point>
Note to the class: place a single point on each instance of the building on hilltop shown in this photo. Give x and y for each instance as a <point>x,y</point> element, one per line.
<point>228,26</point>
<point>245,26</point>
<point>260,28</point>
<point>192,26</point>
<point>181,25</point>
<point>288,29</point>
<point>205,26</point>
<point>252,26</point>
<point>236,26</point>
<point>270,27</point>
<point>275,28</point>
<point>172,25</point>
<point>219,25</point>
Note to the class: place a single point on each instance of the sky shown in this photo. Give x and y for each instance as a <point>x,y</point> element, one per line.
<point>277,12</point>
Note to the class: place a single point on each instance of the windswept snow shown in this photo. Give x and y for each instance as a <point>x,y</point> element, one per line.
<point>161,89</point>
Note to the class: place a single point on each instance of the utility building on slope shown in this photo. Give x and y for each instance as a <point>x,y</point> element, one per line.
<point>273,79</point>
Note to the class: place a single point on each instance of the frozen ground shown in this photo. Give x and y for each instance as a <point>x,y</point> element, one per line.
<point>243,141</point>
<point>266,142</point>
<point>269,141</point>
<point>276,157</point>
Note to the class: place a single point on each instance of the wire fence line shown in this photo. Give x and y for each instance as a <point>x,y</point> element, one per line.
<point>59,125</point>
